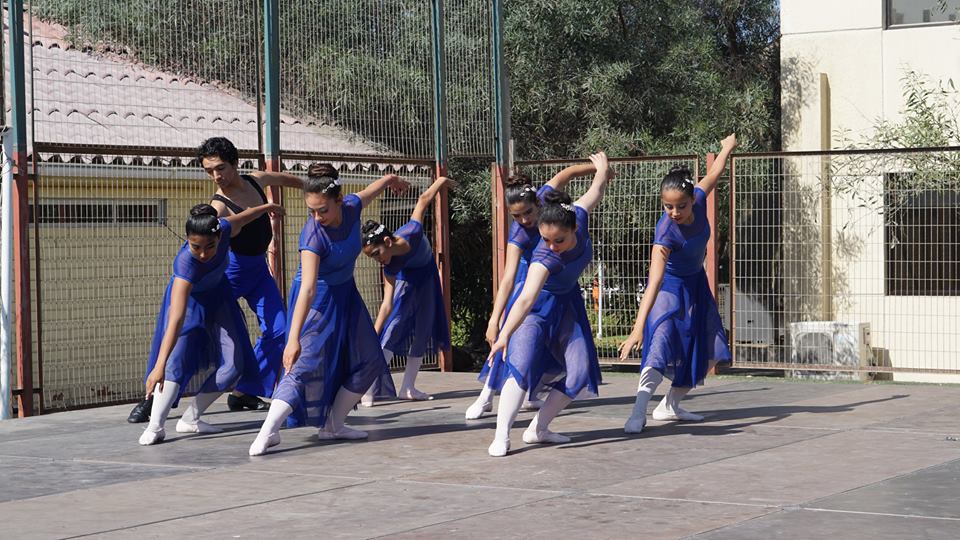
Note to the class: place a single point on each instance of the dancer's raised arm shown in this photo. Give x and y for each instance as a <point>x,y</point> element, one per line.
<point>709,180</point>
<point>601,178</point>
<point>377,187</point>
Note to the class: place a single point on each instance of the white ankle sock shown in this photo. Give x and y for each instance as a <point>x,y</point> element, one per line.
<point>511,397</point>
<point>650,379</point>
<point>190,419</point>
<point>484,403</point>
<point>342,405</point>
<point>162,403</point>
<point>408,388</point>
<point>269,434</point>
<point>669,408</point>
<point>539,429</point>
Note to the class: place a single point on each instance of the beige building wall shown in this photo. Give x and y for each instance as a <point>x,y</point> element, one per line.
<point>864,63</point>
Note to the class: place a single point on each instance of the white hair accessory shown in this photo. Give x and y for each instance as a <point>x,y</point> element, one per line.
<point>216,228</point>
<point>380,229</point>
<point>688,180</point>
<point>334,182</point>
<point>567,207</point>
<point>529,189</point>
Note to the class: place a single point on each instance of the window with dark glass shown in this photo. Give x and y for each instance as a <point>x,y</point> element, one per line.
<point>922,12</point>
<point>99,212</point>
<point>922,239</point>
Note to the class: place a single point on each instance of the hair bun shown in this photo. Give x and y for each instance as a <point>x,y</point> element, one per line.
<point>203,210</point>
<point>517,179</point>
<point>680,169</point>
<point>322,170</point>
<point>557,197</point>
<point>369,226</point>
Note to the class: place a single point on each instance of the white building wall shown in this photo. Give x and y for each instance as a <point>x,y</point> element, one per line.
<point>864,62</point>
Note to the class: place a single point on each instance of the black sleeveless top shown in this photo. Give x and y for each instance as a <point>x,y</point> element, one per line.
<point>254,238</point>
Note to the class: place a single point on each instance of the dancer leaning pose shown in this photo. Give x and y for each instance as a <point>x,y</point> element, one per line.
<point>247,271</point>
<point>412,320</point>
<point>524,203</point>
<point>332,354</point>
<point>678,322</point>
<point>200,327</point>
<point>547,336</point>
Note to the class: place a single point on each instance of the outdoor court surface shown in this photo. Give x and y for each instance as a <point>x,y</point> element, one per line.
<point>774,459</point>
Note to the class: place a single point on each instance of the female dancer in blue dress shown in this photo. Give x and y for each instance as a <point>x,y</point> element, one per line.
<point>332,354</point>
<point>412,320</point>
<point>523,203</point>
<point>547,337</point>
<point>200,326</point>
<point>247,272</point>
<point>678,323</point>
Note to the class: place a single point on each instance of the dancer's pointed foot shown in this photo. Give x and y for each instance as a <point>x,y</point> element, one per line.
<point>499,448</point>
<point>635,423</point>
<point>412,394</point>
<point>152,436</point>
<point>665,414</point>
<point>261,443</point>
<point>477,409</point>
<point>546,436</point>
<point>196,427</point>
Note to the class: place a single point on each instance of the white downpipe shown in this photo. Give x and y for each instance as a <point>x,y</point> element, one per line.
<point>6,266</point>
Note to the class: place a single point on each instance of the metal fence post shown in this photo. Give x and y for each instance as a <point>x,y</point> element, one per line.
<point>501,169</point>
<point>441,205</point>
<point>271,141</point>
<point>21,248</point>
<point>732,257</point>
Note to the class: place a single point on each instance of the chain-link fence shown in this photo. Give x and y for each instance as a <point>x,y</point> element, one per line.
<point>846,262</point>
<point>621,229</point>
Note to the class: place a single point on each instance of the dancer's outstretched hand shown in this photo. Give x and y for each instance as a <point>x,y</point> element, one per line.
<point>499,346</point>
<point>631,344</point>
<point>600,161</point>
<point>153,379</point>
<point>448,182</point>
<point>396,184</point>
<point>290,355</point>
<point>730,142</point>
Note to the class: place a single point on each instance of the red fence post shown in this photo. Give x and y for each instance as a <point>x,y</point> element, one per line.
<point>21,264</point>
<point>711,262</point>
<point>441,224</point>
<point>498,223</point>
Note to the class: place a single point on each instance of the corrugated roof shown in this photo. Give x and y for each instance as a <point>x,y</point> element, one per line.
<point>85,97</point>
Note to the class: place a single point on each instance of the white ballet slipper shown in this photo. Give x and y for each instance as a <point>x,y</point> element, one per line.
<point>150,436</point>
<point>499,448</point>
<point>412,394</point>
<point>196,427</point>
<point>260,444</point>
<point>531,436</point>
<point>664,414</point>
<point>635,423</point>
<point>476,410</point>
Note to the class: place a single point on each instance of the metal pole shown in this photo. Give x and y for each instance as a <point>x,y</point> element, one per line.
<point>6,264</point>
<point>21,247</point>
<point>441,205</point>
<point>502,141</point>
<point>271,131</point>
<point>826,204</point>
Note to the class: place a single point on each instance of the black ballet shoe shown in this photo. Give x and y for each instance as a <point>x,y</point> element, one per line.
<point>141,413</point>
<point>246,401</point>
